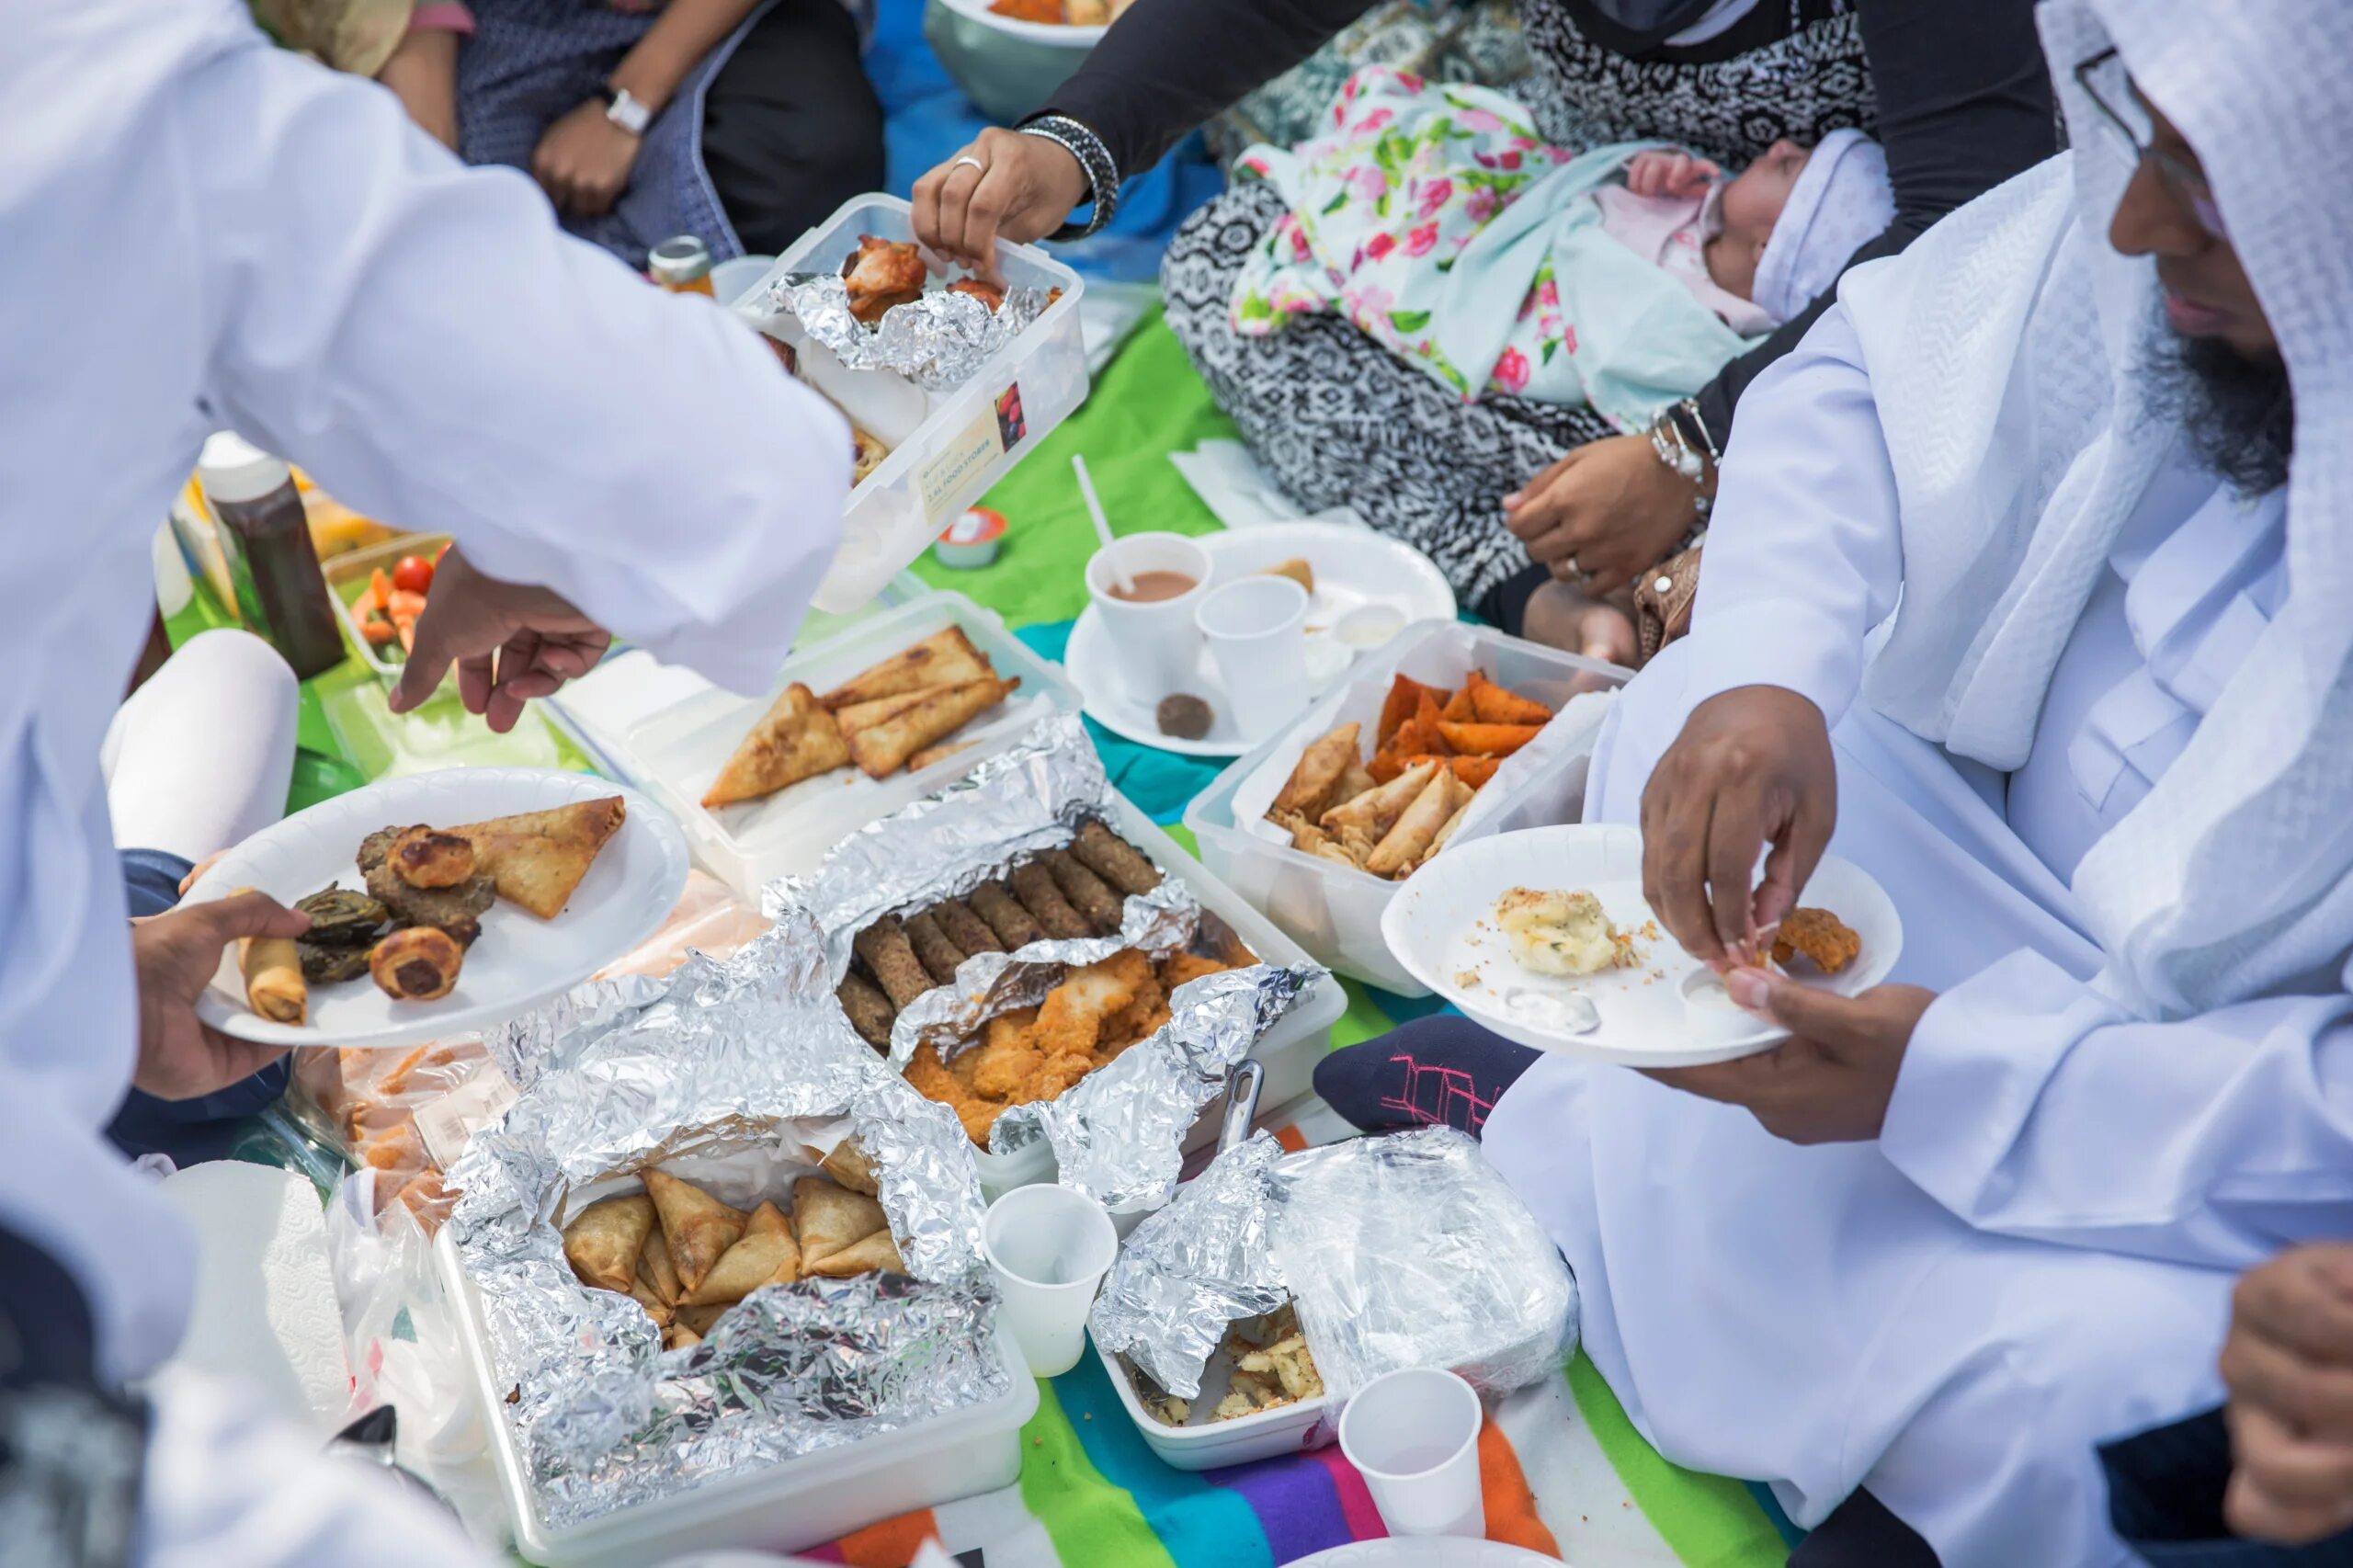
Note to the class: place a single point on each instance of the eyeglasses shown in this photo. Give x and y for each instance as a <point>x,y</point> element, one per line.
<point>2126,120</point>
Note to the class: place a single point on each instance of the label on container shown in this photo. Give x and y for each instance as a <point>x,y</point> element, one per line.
<point>1000,427</point>
<point>446,1125</point>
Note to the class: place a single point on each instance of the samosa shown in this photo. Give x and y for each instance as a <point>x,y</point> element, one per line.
<point>654,1267</point>
<point>947,657</point>
<point>766,1252</point>
<point>603,1240</point>
<point>876,1253</point>
<point>796,739</point>
<point>830,1219</point>
<point>1314,781</point>
<point>882,749</point>
<point>537,859</point>
<point>697,1227</point>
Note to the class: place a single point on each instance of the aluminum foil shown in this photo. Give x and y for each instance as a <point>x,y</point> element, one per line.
<point>1116,1133</point>
<point>938,342</point>
<point>1205,1261</point>
<point>1400,1251</point>
<point>741,1074</point>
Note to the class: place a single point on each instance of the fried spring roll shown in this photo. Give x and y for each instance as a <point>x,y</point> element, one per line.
<point>884,946</point>
<point>870,1013</point>
<point>965,928</point>
<point>1034,886</point>
<point>1114,859</point>
<point>1088,893</point>
<point>1011,923</point>
<point>932,950</point>
<point>272,968</point>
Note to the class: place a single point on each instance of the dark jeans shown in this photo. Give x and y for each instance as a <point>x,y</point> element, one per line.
<point>190,1131</point>
<point>1446,1069</point>
<point>790,126</point>
<point>2165,1496</point>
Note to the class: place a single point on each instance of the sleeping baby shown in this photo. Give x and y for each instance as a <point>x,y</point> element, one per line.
<point>1623,276</point>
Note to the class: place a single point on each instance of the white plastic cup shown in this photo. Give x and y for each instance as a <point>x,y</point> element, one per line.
<point>1049,1247</point>
<point>1256,630</point>
<point>1413,1436</point>
<point>1154,643</point>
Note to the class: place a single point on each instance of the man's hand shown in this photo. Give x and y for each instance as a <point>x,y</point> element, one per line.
<point>176,954</point>
<point>1604,514</point>
<point>1661,173</point>
<point>584,162</point>
<point>1830,1081</point>
<point>512,643</point>
<point>2289,1365</point>
<point>1023,190</point>
<point>1753,765</point>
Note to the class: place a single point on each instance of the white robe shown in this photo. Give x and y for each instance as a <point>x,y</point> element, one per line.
<point>2039,1252</point>
<point>201,230</point>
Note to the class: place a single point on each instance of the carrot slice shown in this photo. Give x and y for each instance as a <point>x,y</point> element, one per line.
<point>1404,696</point>
<point>1489,740</point>
<point>1491,704</point>
<point>380,590</point>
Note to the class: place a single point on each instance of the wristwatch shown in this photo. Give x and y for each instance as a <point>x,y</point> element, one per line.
<point>625,110</point>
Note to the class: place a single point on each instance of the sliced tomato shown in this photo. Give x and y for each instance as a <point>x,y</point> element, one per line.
<point>413,574</point>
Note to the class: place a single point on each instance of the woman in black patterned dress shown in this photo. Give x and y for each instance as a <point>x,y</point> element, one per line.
<point>1955,90</point>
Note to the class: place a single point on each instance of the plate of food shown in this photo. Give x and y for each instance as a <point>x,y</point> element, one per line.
<point>440,902</point>
<point>1544,937</point>
<point>1362,590</point>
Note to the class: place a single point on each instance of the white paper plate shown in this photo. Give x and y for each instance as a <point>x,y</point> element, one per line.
<point>1356,569</point>
<point>1428,1551</point>
<point>1441,928</point>
<point>521,960</point>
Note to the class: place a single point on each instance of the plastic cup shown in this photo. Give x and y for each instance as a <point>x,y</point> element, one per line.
<point>1256,630</point>
<point>1153,643</point>
<point>1413,1436</point>
<point>1049,1248</point>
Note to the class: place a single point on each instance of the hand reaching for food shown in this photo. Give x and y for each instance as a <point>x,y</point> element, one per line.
<point>512,643</point>
<point>1003,186</point>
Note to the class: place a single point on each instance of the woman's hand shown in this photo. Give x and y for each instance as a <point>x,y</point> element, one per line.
<point>1660,172</point>
<point>1603,515</point>
<point>1752,767</point>
<point>1024,189</point>
<point>1830,1081</point>
<point>584,162</point>
<point>176,954</point>
<point>2289,1365</point>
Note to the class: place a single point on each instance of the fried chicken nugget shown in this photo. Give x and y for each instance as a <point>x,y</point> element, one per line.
<point>1820,935</point>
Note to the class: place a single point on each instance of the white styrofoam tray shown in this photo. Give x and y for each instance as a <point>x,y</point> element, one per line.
<point>1335,911</point>
<point>1288,1051</point>
<point>812,1498</point>
<point>679,750</point>
<point>946,448</point>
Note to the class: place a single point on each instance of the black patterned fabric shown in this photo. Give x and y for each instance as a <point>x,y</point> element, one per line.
<point>1336,419</point>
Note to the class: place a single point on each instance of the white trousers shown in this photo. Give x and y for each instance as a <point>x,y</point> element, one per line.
<point>198,758</point>
<point>1809,1317</point>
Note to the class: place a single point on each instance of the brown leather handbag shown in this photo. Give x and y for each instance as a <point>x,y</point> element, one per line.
<point>1662,598</point>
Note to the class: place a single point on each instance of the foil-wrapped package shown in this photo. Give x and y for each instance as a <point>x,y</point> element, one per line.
<point>938,342</point>
<point>1118,1132</point>
<point>739,1075</point>
<point>1400,1251</point>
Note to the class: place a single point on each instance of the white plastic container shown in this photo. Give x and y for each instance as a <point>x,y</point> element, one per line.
<point>678,751</point>
<point>1207,1445</point>
<point>946,448</point>
<point>1334,910</point>
<point>812,1498</point>
<point>1288,1051</point>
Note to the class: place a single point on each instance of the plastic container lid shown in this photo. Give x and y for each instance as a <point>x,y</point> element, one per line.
<point>679,260</point>
<point>233,469</point>
<point>972,539</point>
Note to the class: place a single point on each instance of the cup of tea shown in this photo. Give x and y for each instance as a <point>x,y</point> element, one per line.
<point>1256,630</point>
<point>1150,622</point>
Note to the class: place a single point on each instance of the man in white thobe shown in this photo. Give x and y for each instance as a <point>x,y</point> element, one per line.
<point>2013,582</point>
<point>201,230</point>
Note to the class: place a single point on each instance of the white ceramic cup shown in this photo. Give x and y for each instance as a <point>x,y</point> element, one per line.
<point>1049,1248</point>
<point>1154,643</point>
<point>1256,630</point>
<point>1413,1436</point>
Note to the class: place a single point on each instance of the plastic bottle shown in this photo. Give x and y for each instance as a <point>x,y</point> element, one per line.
<point>266,537</point>
<point>681,264</point>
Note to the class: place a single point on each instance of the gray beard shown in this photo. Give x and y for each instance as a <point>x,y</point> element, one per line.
<point>2238,415</point>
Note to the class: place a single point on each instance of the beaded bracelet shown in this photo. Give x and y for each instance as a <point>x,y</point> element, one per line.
<point>1093,160</point>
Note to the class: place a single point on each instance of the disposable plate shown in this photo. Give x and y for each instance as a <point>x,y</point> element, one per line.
<point>1665,1012</point>
<point>520,959</point>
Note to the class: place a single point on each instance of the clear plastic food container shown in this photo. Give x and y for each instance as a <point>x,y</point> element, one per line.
<point>1334,910</point>
<point>348,575</point>
<point>812,1498</point>
<point>677,752</point>
<point>1288,1051</point>
<point>946,448</point>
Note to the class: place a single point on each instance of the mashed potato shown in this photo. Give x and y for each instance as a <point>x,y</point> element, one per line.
<point>1564,934</point>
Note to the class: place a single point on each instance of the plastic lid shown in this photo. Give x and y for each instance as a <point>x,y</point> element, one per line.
<point>974,526</point>
<point>679,260</point>
<point>233,469</point>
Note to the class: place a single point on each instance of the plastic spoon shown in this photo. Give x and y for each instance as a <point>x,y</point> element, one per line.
<point>1125,584</point>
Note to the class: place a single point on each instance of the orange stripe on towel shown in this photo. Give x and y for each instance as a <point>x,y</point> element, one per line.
<point>1511,1507</point>
<point>894,1542</point>
<point>1291,1138</point>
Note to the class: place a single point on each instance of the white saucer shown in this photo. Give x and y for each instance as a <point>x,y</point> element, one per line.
<point>1428,1551</point>
<point>1356,571</point>
<point>1441,928</point>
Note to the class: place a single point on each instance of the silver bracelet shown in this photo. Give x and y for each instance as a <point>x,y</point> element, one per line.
<point>1672,444</point>
<point>1094,161</point>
